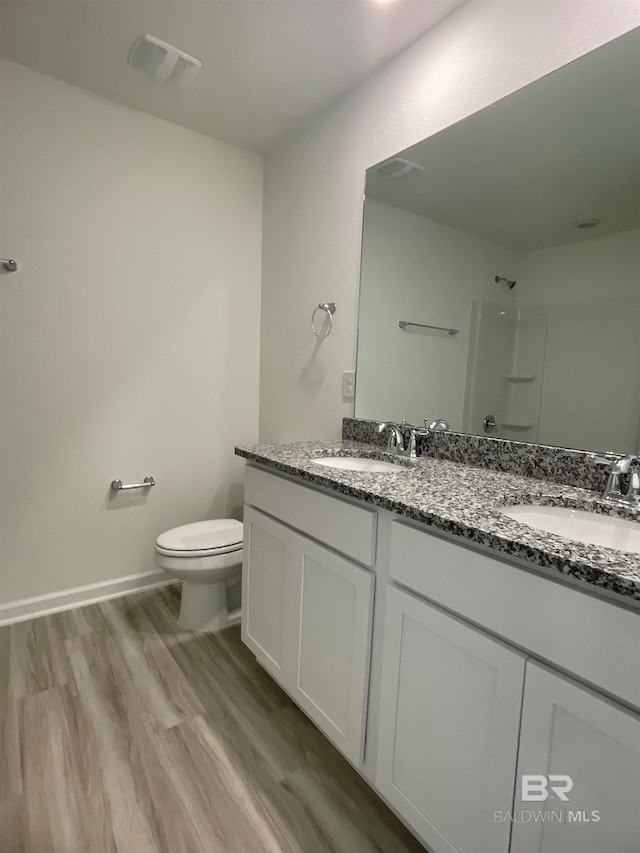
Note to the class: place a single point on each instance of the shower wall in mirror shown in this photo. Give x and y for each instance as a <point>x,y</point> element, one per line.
<point>541,189</point>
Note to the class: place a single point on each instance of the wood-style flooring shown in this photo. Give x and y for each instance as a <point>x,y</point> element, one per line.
<point>124,733</point>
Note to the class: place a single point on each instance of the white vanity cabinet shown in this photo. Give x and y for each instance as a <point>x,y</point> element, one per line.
<point>448,732</point>
<point>308,617</point>
<point>480,672</point>
<point>568,730</point>
<point>465,681</point>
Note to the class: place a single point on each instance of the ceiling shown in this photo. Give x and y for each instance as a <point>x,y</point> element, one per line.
<point>266,64</point>
<point>522,171</point>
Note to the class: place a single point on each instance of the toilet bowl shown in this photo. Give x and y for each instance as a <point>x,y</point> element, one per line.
<point>207,557</point>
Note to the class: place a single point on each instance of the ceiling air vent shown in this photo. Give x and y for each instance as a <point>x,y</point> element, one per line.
<point>162,60</point>
<point>397,168</point>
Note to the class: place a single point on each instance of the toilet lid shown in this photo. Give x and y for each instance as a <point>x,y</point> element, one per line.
<point>215,535</point>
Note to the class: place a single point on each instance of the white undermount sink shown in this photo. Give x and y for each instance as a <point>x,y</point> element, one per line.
<point>579,525</point>
<point>359,463</point>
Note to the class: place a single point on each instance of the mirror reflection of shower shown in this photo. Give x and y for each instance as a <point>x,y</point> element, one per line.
<point>533,368</point>
<point>534,263</point>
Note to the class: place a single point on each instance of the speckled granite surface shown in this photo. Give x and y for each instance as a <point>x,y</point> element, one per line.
<point>462,500</point>
<point>558,464</point>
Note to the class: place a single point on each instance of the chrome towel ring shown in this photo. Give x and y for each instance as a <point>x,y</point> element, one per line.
<point>330,308</point>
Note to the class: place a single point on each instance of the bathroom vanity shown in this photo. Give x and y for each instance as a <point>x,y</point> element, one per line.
<point>448,651</point>
<point>482,675</point>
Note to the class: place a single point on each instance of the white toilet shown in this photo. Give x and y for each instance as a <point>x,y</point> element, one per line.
<point>207,557</point>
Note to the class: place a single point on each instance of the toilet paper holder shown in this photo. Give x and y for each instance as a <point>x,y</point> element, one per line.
<point>118,486</point>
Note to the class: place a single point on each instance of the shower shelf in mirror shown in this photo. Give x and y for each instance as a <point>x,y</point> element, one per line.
<point>520,377</point>
<point>508,424</point>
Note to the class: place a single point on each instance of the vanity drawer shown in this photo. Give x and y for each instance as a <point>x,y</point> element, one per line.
<point>591,638</point>
<point>345,527</point>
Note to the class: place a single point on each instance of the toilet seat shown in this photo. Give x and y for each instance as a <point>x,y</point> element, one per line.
<point>201,539</point>
<point>205,552</point>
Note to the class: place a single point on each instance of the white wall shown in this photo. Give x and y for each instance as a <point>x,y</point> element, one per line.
<point>129,337</point>
<point>416,269</point>
<point>314,181</point>
<point>599,268</point>
<point>590,395</point>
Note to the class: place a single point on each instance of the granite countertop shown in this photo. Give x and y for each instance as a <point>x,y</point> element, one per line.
<point>461,500</point>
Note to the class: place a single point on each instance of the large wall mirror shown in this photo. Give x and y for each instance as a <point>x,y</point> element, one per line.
<point>541,189</point>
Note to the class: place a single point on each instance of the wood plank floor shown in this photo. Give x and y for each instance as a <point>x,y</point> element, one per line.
<point>123,733</point>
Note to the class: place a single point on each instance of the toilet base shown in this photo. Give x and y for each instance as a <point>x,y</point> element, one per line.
<point>203,607</point>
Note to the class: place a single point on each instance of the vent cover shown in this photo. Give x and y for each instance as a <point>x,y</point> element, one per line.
<point>162,60</point>
<point>396,168</point>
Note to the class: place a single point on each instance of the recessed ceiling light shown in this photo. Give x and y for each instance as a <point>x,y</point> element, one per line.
<point>584,224</point>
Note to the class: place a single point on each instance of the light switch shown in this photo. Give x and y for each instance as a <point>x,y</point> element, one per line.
<point>348,384</point>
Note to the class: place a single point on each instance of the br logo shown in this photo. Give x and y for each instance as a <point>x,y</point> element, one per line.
<point>536,788</point>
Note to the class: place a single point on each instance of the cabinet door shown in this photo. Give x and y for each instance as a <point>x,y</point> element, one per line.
<point>568,730</point>
<point>449,718</point>
<point>268,624</point>
<point>334,610</point>
<point>307,617</point>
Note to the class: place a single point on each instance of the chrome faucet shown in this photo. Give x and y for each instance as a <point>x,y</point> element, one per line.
<point>402,439</point>
<point>619,466</point>
<point>395,443</point>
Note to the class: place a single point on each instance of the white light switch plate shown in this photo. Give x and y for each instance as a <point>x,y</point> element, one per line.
<point>348,384</point>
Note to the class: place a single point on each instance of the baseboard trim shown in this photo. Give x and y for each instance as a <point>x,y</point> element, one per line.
<point>69,599</point>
